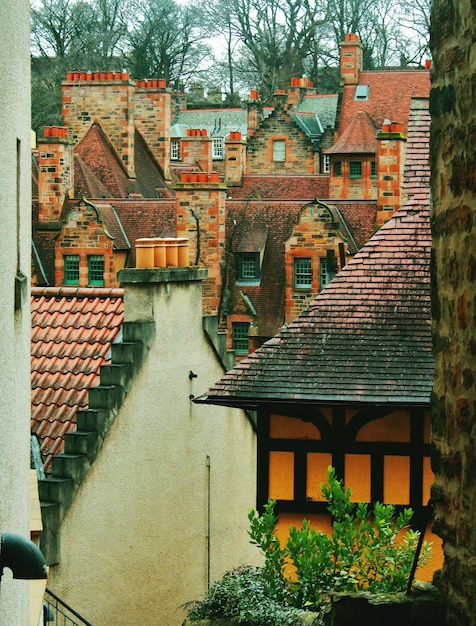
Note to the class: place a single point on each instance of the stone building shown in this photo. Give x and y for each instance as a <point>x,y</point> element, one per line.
<point>453,162</point>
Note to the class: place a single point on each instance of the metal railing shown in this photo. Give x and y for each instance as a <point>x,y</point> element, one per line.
<point>58,613</point>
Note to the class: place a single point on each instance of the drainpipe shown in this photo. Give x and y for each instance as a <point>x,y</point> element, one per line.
<point>208,520</point>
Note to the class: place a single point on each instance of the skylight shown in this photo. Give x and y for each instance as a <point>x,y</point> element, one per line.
<point>361,92</point>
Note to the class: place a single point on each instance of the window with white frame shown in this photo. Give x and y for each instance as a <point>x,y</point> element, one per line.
<point>326,164</point>
<point>217,148</point>
<point>279,150</point>
<point>175,150</point>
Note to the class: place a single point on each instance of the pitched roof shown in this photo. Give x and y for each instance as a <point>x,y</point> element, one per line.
<point>72,333</point>
<point>366,338</point>
<point>324,106</point>
<point>99,172</point>
<point>358,138</point>
<point>218,122</point>
<point>389,96</point>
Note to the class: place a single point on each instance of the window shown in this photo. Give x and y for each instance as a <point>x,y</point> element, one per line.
<point>361,92</point>
<point>279,150</point>
<point>337,168</point>
<point>355,169</point>
<point>323,273</point>
<point>326,164</point>
<point>239,335</point>
<point>175,149</point>
<point>217,148</point>
<point>303,273</point>
<point>373,169</point>
<point>248,267</point>
<point>71,269</point>
<point>96,269</point>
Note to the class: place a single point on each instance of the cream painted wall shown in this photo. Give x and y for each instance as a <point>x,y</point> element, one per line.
<point>15,252</point>
<point>134,542</point>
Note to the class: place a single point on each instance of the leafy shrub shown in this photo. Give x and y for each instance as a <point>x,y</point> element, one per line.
<point>244,595</point>
<point>363,552</point>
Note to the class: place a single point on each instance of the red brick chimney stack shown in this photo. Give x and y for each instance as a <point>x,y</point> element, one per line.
<point>55,173</point>
<point>351,59</point>
<point>391,143</point>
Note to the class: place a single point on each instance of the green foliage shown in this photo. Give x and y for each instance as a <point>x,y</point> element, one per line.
<point>368,550</point>
<point>244,595</point>
<point>363,552</point>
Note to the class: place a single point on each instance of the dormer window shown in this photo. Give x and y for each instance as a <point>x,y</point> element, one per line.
<point>71,269</point>
<point>355,169</point>
<point>361,92</point>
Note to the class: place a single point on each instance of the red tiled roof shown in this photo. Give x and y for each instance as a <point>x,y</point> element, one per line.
<point>390,92</point>
<point>99,172</point>
<point>282,187</point>
<point>366,338</point>
<point>416,172</point>
<point>72,333</point>
<point>358,138</point>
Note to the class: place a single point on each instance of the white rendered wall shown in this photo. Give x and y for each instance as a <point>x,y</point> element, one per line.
<point>15,253</point>
<point>134,545</point>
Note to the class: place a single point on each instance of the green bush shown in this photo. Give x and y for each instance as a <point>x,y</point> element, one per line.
<point>363,552</point>
<point>243,595</point>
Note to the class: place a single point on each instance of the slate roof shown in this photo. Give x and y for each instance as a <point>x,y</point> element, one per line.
<point>358,138</point>
<point>389,96</point>
<point>72,333</point>
<point>322,105</point>
<point>366,338</point>
<point>218,122</point>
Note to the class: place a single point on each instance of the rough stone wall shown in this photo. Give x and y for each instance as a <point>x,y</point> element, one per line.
<point>152,116</point>
<point>83,233</point>
<point>55,176</point>
<point>312,237</point>
<point>391,161</point>
<point>200,217</point>
<point>111,102</point>
<point>300,157</point>
<point>453,162</point>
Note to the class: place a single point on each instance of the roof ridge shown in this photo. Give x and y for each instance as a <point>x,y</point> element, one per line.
<point>78,292</point>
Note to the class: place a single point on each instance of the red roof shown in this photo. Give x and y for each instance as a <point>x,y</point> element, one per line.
<point>389,96</point>
<point>72,333</point>
<point>358,138</point>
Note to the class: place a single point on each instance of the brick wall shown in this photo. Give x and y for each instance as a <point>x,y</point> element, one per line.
<point>351,59</point>
<point>300,157</point>
<point>55,173</point>
<point>453,162</point>
<point>312,237</point>
<point>152,117</point>
<point>344,187</point>
<point>197,150</point>
<point>110,102</point>
<point>83,233</point>
<point>200,216</point>
<point>391,143</point>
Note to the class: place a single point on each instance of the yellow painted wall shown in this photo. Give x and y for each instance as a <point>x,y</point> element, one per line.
<point>394,427</point>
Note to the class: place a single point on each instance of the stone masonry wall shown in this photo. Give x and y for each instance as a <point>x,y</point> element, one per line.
<point>200,217</point>
<point>300,157</point>
<point>111,102</point>
<point>453,162</point>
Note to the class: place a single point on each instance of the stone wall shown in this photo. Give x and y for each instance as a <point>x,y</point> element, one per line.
<point>453,162</point>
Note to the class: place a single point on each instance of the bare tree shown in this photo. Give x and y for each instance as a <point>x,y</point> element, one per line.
<point>168,40</point>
